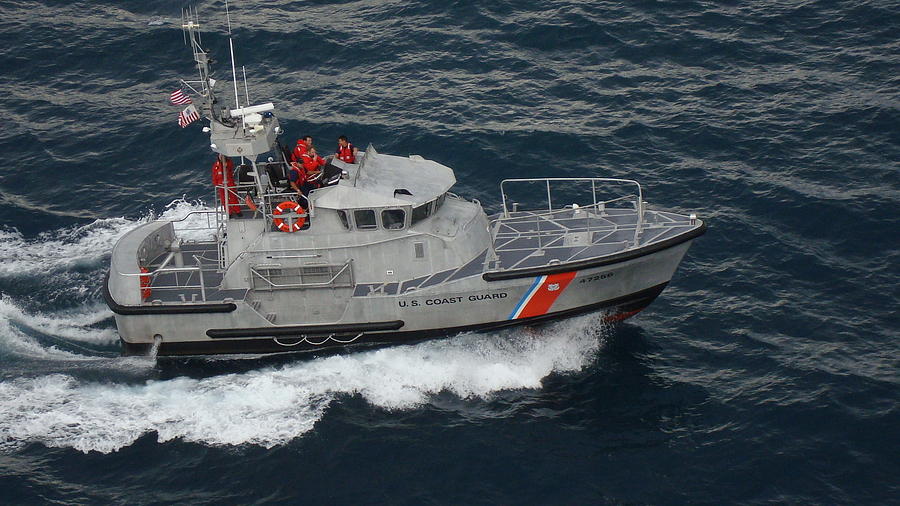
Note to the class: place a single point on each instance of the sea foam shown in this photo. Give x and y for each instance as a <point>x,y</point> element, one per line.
<point>88,244</point>
<point>54,257</point>
<point>272,406</point>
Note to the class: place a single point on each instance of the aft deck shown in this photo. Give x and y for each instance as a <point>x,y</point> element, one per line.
<point>192,274</point>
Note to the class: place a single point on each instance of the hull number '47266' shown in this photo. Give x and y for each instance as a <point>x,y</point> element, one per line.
<point>597,277</point>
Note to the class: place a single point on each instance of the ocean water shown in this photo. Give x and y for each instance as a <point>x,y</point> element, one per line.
<point>766,372</point>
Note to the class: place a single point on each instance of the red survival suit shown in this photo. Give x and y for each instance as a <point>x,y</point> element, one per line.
<point>345,153</point>
<point>225,177</point>
<point>299,151</point>
<point>312,163</point>
<point>299,174</point>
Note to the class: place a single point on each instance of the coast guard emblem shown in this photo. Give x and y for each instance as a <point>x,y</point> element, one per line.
<point>543,293</point>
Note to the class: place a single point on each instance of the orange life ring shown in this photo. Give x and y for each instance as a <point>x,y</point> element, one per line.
<point>145,285</point>
<point>289,205</point>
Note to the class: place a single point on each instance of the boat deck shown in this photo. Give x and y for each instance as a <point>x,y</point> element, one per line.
<point>521,240</point>
<point>527,239</point>
<point>202,284</point>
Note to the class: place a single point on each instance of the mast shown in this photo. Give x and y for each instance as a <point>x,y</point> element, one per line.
<point>243,131</point>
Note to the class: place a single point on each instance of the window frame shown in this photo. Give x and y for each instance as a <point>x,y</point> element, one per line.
<point>412,214</point>
<point>344,218</point>
<point>403,222</point>
<point>374,225</point>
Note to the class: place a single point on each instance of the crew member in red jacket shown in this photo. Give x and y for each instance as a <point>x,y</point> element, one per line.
<point>346,152</point>
<point>297,178</point>
<point>222,176</point>
<point>312,162</point>
<point>305,178</point>
<point>301,148</point>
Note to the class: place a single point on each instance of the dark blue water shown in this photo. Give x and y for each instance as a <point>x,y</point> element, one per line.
<point>766,372</point>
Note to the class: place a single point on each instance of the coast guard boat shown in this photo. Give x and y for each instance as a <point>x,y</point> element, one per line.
<point>382,252</point>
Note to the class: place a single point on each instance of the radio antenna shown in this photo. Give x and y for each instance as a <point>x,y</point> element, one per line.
<point>237,103</point>
<point>246,90</point>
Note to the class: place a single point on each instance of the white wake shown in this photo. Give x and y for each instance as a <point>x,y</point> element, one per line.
<point>54,256</point>
<point>272,406</point>
<point>63,249</point>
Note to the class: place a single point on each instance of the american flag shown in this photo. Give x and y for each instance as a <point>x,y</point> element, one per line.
<point>179,98</point>
<point>188,116</point>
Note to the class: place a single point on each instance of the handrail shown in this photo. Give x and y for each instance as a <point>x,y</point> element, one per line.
<point>507,237</point>
<point>186,216</point>
<point>162,268</point>
<point>639,203</point>
<point>158,271</point>
<point>316,250</point>
<point>202,282</point>
<point>212,223</point>
<point>548,180</point>
<point>533,214</point>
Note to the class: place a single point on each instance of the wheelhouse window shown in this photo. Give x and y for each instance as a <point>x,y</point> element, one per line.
<point>427,209</point>
<point>393,219</point>
<point>345,220</point>
<point>421,212</point>
<point>365,219</point>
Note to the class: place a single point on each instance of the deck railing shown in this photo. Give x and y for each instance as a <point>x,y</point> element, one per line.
<point>178,284</point>
<point>595,183</point>
<point>210,216</point>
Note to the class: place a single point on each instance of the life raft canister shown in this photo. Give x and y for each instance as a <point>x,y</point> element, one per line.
<point>145,285</point>
<point>249,201</point>
<point>288,205</point>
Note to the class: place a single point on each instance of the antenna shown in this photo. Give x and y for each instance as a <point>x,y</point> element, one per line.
<point>246,91</point>
<point>237,103</point>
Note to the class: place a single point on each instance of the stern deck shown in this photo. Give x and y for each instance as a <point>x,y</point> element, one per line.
<point>201,284</point>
